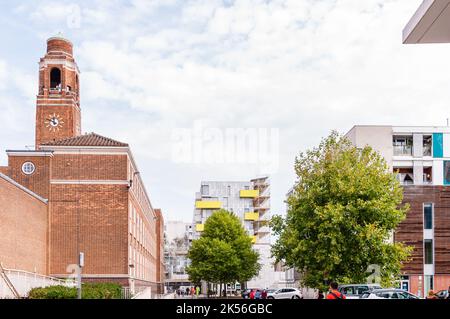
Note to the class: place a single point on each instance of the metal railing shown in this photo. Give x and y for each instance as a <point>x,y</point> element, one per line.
<point>402,150</point>
<point>24,281</point>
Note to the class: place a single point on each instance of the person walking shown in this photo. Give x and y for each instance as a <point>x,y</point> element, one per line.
<point>334,293</point>
<point>258,294</point>
<point>197,291</point>
<point>264,294</point>
<point>252,294</point>
<point>320,295</point>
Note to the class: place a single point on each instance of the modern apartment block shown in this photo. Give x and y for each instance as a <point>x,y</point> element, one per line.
<point>250,201</point>
<point>421,157</point>
<point>177,240</point>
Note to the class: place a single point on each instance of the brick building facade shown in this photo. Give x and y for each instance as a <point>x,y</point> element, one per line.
<point>23,227</point>
<point>97,202</point>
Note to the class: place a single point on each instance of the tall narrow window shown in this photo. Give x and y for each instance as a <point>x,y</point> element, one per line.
<point>428,251</point>
<point>427,145</point>
<point>55,78</point>
<point>428,216</point>
<point>205,189</point>
<point>446,172</point>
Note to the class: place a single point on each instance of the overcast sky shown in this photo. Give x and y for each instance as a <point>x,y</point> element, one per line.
<point>156,72</point>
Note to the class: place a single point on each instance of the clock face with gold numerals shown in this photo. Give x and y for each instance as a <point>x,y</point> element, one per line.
<point>54,122</point>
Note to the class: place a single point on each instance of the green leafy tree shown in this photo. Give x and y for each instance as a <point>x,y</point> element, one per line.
<point>223,253</point>
<point>344,208</point>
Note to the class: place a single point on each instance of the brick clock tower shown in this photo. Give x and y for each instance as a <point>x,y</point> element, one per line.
<point>58,114</point>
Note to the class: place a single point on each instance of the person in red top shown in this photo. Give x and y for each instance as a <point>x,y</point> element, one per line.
<point>264,294</point>
<point>334,293</point>
<point>252,294</point>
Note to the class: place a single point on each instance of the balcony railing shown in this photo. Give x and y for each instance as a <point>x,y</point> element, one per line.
<point>208,204</point>
<point>249,193</point>
<point>402,150</point>
<point>251,216</point>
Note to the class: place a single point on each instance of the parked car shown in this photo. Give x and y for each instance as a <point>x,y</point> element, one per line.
<point>442,294</point>
<point>389,294</point>
<point>285,293</point>
<point>355,291</point>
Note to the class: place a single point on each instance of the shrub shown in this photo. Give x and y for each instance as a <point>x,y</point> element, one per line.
<point>89,291</point>
<point>53,292</point>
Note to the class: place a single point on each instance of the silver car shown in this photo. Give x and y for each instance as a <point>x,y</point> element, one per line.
<point>355,291</point>
<point>285,293</point>
<point>389,294</point>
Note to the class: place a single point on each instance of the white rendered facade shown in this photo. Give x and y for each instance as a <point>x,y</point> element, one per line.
<point>250,201</point>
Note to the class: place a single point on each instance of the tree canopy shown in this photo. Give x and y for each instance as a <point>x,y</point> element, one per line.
<point>223,253</point>
<point>342,212</point>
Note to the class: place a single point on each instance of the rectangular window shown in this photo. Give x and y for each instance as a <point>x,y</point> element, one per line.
<point>428,284</point>
<point>205,189</point>
<point>402,145</point>
<point>427,145</point>
<point>428,216</point>
<point>428,251</point>
<point>446,172</point>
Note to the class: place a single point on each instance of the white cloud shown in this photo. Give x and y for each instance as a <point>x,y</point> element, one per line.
<point>303,66</point>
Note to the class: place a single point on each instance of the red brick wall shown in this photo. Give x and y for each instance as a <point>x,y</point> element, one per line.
<point>5,170</point>
<point>441,282</point>
<point>94,218</point>
<point>23,229</point>
<point>160,246</point>
<point>47,103</point>
<point>89,167</point>
<point>68,114</point>
<point>37,182</point>
<point>59,45</point>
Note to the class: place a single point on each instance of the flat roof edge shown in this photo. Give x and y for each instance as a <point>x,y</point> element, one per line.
<point>415,20</point>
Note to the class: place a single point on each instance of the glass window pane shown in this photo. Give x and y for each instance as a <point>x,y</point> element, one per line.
<point>428,254</point>
<point>446,172</point>
<point>428,216</point>
<point>427,145</point>
<point>428,284</point>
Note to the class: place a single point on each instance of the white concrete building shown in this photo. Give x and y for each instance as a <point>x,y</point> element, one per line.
<point>177,240</point>
<point>250,201</point>
<point>420,155</point>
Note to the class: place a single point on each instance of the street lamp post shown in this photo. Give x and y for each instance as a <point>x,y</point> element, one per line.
<point>80,268</point>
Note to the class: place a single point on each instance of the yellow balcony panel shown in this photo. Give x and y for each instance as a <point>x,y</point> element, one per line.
<point>200,227</point>
<point>251,216</point>
<point>249,193</point>
<point>253,238</point>
<point>208,204</point>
